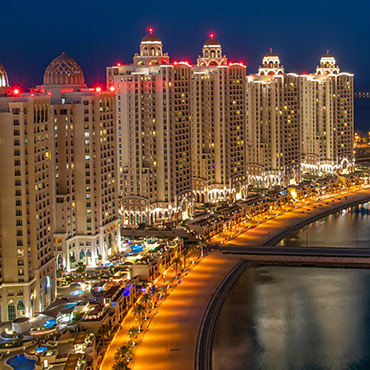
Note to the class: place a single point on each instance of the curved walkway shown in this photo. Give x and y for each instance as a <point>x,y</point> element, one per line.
<point>275,229</point>
<point>171,342</point>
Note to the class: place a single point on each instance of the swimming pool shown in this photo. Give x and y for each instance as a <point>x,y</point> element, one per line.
<point>41,349</point>
<point>77,292</point>
<point>136,248</point>
<point>70,305</point>
<point>19,362</point>
<point>50,323</point>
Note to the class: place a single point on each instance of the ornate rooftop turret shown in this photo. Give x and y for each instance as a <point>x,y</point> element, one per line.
<point>327,65</point>
<point>151,51</point>
<point>212,53</point>
<point>270,65</point>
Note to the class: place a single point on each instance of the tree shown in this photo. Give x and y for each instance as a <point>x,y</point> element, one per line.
<point>185,254</point>
<point>138,310</point>
<point>72,259</point>
<point>133,333</point>
<point>162,291</point>
<point>177,263</point>
<point>123,353</point>
<point>19,339</point>
<point>80,268</point>
<point>202,244</point>
<point>153,290</point>
<point>103,331</point>
<point>145,299</point>
<point>120,365</point>
<point>193,251</point>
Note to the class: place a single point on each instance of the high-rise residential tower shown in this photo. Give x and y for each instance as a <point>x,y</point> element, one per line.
<point>327,121</point>
<point>218,126</point>
<point>273,125</point>
<point>153,112</point>
<point>26,203</point>
<point>85,174</point>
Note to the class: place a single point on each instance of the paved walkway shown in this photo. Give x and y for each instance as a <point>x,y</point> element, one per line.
<point>299,216</point>
<point>170,342</point>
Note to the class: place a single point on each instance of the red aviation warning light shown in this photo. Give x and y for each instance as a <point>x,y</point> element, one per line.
<point>16,91</point>
<point>112,89</point>
<point>98,89</point>
<point>150,30</point>
<point>212,35</point>
<point>49,93</point>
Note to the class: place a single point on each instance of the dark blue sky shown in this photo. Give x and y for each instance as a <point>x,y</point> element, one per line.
<point>100,33</point>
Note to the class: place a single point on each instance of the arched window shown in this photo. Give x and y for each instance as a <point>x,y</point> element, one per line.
<point>60,262</point>
<point>81,255</point>
<point>88,256</point>
<point>20,309</point>
<point>11,311</point>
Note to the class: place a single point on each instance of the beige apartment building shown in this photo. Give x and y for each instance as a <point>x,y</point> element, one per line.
<point>27,270</point>
<point>83,132</point>
<point>154,157</point>
<point>298,124</point>
<point>218,113</point>
<point>273,125</point>
<point>326,100</point>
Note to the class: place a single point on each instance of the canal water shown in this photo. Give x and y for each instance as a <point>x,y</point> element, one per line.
<point>301,317</point>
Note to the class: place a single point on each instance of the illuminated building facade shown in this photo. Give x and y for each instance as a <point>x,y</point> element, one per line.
<point>327,119</point>
<point>153,113</point>
<point>218,126</point>
<point>298,124</point>
<point>273,125</point>
<point>85,174</point>
<point>27,271</point>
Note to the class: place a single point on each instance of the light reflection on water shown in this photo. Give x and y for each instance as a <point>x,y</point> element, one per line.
<point>348,228</point>
<point>299,317</point>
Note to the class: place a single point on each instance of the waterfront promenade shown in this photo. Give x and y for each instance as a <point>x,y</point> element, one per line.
<point>272,230</point>
<point>171,340</point>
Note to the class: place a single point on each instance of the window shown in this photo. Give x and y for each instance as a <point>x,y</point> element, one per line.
<point>11,311</point>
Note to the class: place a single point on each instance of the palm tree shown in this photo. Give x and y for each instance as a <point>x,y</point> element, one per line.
<point>153,290</point>
<point>145,299</point>
<point>162,291</point>
<point>202,244</point>
<point>120,365</point>
<point>80,268</point>
<point>185,254</point>
<point>133,333</point>
<point>103,331</point>
<point>123,353</point>
<point>193,251</point>
<point>138,310</point>
<point>177,263</point>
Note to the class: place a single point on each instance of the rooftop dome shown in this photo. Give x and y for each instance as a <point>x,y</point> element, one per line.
<point>3,77</point>
<point>327,56</point>
<point>151,38</point>
<point>212,42</point>
<point>63,70</point>
<point>270,54</point>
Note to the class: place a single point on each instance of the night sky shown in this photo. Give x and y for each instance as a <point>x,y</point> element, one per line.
<point>100,33</point>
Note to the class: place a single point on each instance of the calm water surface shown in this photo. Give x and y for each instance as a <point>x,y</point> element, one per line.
<point>301,318</point>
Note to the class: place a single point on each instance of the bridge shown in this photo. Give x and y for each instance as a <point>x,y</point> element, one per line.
<point>300,256</point>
